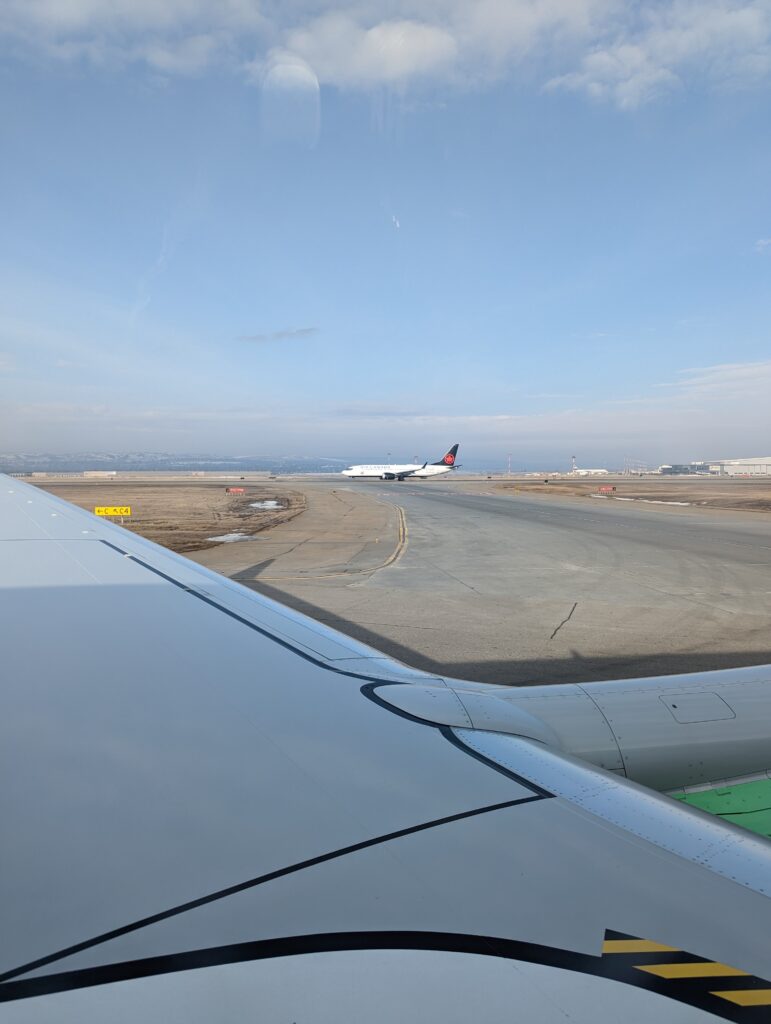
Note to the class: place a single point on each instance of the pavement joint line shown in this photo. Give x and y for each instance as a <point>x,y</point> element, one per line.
<point>453,577</point>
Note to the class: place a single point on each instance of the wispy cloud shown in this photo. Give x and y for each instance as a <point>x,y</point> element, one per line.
<point>367,411</point>
<point>707,412</point>
<point>655,49</point>
<point>552,394</point>
<point>623,53</point>
<point>763,245</point>
<point>285,334</point>
<point>726,381</point>
<point>624,73</point>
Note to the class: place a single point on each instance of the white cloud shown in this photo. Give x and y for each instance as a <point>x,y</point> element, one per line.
<point>763,245</point>
<point>184,56</point>
<point>628,54</point>
<point>284,334</point>
<point>345,52</point>
<point>722,42</point>
<point>172,37</point>
<point>624,73</point>
<point>727,381</point>
<point>121,16</point>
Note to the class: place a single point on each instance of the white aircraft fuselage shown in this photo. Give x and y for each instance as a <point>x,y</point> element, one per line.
<point>395,471</point>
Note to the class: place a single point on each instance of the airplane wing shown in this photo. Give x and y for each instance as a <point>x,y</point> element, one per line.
<point>212,812</point>
<point>405,473</point>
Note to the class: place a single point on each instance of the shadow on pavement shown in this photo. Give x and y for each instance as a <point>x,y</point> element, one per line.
<point>575,669</point>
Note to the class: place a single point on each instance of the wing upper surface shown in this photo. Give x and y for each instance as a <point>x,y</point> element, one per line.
<point>190,766</point>
<point>162,745</point>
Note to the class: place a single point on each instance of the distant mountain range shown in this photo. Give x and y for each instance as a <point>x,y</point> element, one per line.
<point>77,462</point>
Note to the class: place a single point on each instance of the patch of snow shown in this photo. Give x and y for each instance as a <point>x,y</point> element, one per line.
<point>230,538</point>
<point>650,501</point>
<point>269,503</point>
<point>659,501</point>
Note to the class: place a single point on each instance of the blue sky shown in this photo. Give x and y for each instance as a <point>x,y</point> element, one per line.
<point>540,228</point>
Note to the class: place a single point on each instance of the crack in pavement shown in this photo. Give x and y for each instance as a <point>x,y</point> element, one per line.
<point>569,617</point>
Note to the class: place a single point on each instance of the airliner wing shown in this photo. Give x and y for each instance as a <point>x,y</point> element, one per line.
<point>404,472</point>
<point>211,811</point>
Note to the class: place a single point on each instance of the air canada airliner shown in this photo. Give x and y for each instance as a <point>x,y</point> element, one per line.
<point>415,470</point>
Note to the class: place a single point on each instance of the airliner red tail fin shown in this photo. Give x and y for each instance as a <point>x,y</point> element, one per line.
<point>449,458</point>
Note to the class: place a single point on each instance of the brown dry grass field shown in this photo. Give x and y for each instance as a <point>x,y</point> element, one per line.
<point>743,494</point>
<point>183,514</point>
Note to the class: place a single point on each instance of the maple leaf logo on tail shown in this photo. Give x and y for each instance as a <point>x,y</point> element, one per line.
<point>449,458</point>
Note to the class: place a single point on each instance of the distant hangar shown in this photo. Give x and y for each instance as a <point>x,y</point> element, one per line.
<point>720,467</point>
<point>742,467</point>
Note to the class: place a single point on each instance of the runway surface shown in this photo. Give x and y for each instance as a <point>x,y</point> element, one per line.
<point>522,589</point>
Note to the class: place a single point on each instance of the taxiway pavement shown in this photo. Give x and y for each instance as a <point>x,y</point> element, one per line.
<point>518,588</point>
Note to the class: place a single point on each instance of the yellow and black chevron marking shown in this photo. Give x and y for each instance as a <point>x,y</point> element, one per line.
<point>721,989</point>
